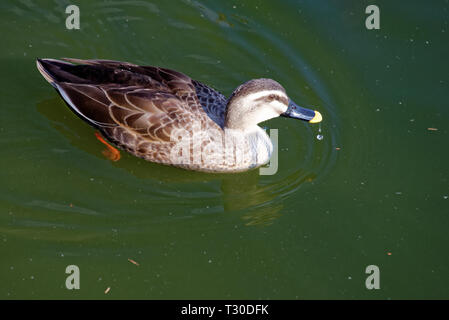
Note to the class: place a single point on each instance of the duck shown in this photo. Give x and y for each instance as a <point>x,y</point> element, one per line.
<point>164,116</point>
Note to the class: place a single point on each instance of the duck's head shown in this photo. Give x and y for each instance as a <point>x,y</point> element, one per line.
<point>259,100</point>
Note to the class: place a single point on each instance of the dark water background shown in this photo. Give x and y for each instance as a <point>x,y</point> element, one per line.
<point>373,191</point>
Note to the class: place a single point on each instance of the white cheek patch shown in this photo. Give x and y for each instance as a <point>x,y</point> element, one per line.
<point>269,111</point>
<point>255,109</point>
<point>278,106</point>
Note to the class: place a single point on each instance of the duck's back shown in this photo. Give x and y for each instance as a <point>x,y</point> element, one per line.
<point>212,101</point>
<point>138,108</point>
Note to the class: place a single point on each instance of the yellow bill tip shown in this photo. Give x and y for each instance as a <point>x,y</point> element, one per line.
<point>317,118</point>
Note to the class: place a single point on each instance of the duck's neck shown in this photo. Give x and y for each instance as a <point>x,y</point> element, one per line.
<point>237,117</point>
<point>255,144</point>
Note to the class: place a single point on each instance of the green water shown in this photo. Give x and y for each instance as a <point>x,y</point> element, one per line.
<point>374,191</point>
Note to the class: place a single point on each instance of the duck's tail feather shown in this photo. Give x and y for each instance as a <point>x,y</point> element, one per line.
<point>83,98</point>
<point>58,71</point>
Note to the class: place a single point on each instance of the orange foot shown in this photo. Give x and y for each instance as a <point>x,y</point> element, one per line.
<point>110,152</point>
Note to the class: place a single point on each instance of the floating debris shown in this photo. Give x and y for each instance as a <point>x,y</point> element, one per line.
<point>432,129</point>
<point>389,253</point>
<point>107,290</point>
<point>223,20</point>
<point>133,262</point>
<point>337,148</point>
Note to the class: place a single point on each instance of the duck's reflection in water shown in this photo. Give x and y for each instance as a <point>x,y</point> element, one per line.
<point>246,195</point>
<point>259,202</point>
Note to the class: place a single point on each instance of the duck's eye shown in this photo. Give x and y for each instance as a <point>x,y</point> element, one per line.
<point>271,97</point>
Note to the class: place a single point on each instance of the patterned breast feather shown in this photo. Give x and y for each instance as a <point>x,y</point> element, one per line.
<point>137,107</point>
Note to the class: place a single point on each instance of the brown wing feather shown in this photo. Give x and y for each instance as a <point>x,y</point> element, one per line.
<point>136,107</point>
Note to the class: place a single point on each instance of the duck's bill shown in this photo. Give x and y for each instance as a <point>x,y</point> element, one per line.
<point>296,112</point>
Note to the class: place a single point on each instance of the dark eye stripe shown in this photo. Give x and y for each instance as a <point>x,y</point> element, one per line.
<point>272,97</point>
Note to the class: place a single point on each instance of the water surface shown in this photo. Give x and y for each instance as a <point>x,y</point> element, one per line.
<point>374,190</point>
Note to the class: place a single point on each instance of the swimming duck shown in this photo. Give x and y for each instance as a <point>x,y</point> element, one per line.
<point>164,116</point>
